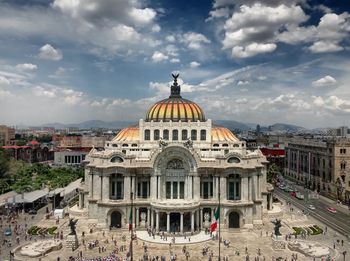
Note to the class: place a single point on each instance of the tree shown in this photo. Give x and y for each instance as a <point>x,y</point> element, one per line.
<point>4,186</point>
<point>272,173</point>
<point>4,163</point>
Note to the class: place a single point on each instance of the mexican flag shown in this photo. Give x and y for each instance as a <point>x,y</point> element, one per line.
<point>130,220</point>
<point>214,225</point>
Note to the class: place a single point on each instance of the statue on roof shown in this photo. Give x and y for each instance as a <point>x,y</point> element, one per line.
<point>73,224</point>
<point>175,88</point>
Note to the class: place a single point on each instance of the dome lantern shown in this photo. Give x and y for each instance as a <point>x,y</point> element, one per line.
<point>175,108</point>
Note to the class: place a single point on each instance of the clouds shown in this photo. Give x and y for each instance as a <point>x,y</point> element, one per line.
<point>47,52</point>
<point>254,28</point>
<point>325,81</point>
<point>159,57</point>
<point>27,67</point>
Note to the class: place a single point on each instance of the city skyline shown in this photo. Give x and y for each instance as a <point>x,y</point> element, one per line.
<point>263,62</point>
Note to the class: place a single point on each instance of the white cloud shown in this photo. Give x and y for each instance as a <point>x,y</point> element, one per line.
<point>242,82</point>
<point>174,60</point>
<point>159,57</point>
<point>170,38</point>
<point>323,47</point>
<point>252,50</point>
<point>194,40</point>
<point>194,64</point>
<point>26,67</point>
<point>47,52</point>
<point>325,81</point>
<point>4,80</point>
<point>44,92</point>
<point>332,103</point>
<point>156,28</point>
<point>142,16</point>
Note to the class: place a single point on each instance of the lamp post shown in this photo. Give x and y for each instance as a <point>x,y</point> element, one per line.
<point>344,254</point>
<point>132,227</point>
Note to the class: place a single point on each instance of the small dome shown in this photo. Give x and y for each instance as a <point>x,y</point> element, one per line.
<point>128,134</point>
<point>175,108</point>
<point>220,134</point>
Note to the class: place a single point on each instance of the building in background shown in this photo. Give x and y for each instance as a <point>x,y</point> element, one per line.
<point>7,134</point>
<point>322,165</point>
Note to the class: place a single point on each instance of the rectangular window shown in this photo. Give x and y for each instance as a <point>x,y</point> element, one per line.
<point>147,134</point>
<point>144,189</point>
<point>211,189</point>
<point>203,134</point>
<point>205,190</point>
<point>175,190</point>
<point>175,134</point>
<point>113,189</point>
<point>231,190</point>
<point>237,190</point>
<point>119,194</point>
<point>156,135</point>
<point>168,190</point>
<point>138,189</point>
<point>166,134</point>
<point>193,135</point>
<point>184,135</point>
<point>182,190</point>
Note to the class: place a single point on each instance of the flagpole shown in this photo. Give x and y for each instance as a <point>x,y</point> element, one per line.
<point>132,227</point>
<point>219,227</point>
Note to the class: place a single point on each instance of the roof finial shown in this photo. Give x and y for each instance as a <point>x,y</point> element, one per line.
<point>175,88</point>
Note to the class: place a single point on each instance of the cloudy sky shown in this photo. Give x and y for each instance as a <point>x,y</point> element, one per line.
<point>262,61</point>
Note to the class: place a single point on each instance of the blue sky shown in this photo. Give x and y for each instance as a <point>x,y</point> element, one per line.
<point>251,61</point>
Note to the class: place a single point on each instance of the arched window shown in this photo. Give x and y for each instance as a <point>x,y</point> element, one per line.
<point>125,145</point>
<point>175,135</point>
<point>184,135</point>
<point>215,145</point>
<point>156,135</point>
<point>166,134</point>
<point>225,145</point>
<point>203,134</point>
<point>134,145</point>
<point>147,134</point>
<point>193,135</point>
<point>116,159</point>
<point>233,160</point>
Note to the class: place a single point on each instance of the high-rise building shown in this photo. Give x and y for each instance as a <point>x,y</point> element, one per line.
<point>6,134</point>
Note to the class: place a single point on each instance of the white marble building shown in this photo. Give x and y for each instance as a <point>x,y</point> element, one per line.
<point>175,163</point>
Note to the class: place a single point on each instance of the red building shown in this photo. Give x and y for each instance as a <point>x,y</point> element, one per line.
<point>274,155</point>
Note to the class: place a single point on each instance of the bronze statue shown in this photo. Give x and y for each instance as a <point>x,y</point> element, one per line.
<point>277,224</point>
<point>72,224</point>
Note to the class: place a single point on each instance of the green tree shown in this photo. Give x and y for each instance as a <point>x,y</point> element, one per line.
<point>4,163</point>
<point>272,173</point>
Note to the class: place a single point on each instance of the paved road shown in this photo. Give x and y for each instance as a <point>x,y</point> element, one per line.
<point>339,221</point>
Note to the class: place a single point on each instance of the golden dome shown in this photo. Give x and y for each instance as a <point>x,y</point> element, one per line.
<point>128,134</point>
<point>175,108</point>
<point>219,134</point>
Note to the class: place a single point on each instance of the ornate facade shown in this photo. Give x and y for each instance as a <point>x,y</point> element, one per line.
<point>175,164</point>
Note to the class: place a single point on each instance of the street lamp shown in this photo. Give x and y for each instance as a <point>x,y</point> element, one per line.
<point>344,254</point>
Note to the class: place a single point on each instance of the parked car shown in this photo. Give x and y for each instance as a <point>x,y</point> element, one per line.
<point>332,210</point>
<point>8,232</point>
<point>299,195</point>
<point>293,194</point>
<point>312,207</point>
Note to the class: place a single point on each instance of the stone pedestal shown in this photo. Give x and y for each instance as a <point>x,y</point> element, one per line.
<point>72,242</point>
<point>278,244</point>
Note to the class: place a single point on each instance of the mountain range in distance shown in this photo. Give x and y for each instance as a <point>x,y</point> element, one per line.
<point>232,125</point>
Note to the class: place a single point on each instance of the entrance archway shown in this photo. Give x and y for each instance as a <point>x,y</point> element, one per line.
<point>116,219</point>
<point>174,222</point>
<point>233,220</point>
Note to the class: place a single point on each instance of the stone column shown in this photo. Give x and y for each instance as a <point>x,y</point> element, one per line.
<point>137,217</point>
<point>196,187</point>
<point>127,187</point>
<point>152,219</point>
<point>212,214</point>
<point>181,222</point>
<point>80,200</point>
<point>217,188</point>
<point>197,219</point>
<point>158,186</point>
<point>105,188</point>
<point>201,219</point>
<point>192,221</point>
<point>97,185</point>
<point>153,192</point>
<point>168,222</point>
<point>223,188</point>
<point>157,220</point>
<point>91,185</point>
<point>250,188</point>
<point>254,186</point>
<point>148,217</point>
<point>189,188</point>
<point>245,189</point>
